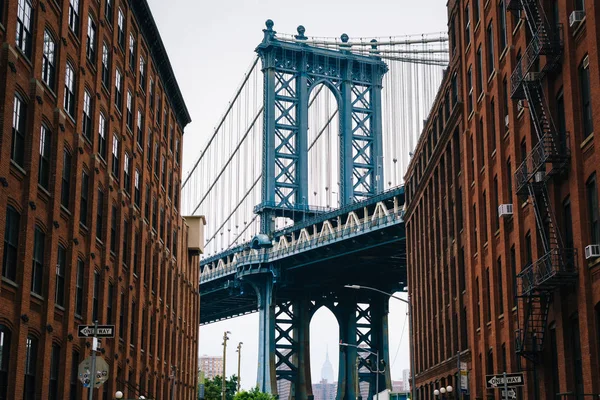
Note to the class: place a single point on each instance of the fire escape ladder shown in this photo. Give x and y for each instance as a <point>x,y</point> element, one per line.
<point>549,156</point>
<point>530,339</point>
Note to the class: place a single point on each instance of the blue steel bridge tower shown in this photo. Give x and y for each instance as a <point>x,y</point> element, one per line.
<point>292,69</point>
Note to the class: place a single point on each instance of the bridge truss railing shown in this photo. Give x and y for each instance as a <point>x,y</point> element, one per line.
<point>308,237</point>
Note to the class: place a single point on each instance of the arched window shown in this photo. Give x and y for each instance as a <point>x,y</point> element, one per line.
<point>5,336</point>
<point>30,368</point>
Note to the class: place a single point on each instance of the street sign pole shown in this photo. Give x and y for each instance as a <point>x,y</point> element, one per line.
<point>94,348</point>
<point>505,384</point>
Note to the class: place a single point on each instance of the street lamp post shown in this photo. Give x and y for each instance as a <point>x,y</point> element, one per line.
<point>411,347</point>
<point>377,371</point>
<point>442,391</point>
<point>224,380</point>
<point>239,351</point>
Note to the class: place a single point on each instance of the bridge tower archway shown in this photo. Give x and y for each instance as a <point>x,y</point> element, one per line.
<point>291,68</point>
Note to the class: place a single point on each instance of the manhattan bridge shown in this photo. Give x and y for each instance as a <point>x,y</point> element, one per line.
<point>301,183</point>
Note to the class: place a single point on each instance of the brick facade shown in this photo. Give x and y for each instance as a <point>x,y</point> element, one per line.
<point>464,258</point>
<point>120,247</point>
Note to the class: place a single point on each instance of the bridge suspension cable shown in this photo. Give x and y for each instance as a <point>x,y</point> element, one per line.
<point>225,181</point>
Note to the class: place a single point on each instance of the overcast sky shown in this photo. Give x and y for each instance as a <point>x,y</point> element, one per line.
<point>210,45</point>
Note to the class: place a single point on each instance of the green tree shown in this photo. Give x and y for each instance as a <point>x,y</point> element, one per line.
<point>254,394</point>
<point>212,388</point>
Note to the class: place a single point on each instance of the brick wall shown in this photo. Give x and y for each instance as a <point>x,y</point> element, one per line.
<point>165,313</point>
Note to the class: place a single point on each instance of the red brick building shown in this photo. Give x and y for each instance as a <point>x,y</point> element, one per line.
<point>91,125</point>
<point>503,203</point>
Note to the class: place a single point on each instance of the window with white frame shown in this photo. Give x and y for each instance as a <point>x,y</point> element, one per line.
<point>49,60</point>
<point>69,98</point>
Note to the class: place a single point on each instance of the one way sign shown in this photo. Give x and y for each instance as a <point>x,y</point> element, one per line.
<point>512,380</point>
<point>103,331</point>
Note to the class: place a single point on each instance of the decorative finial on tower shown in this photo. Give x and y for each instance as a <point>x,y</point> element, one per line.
<point>345,46</point>
<point>300,35</point>
<point>374,46</point>
<point>269,32</point>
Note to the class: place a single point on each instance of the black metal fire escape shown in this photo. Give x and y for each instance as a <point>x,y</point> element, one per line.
<point>549,157</point>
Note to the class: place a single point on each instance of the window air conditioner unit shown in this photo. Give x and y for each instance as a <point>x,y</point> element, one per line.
<point>505,210</point>
<point>539,176</point>
<point>576,17</point>
<point>506,120</point>
<point>592,251</point>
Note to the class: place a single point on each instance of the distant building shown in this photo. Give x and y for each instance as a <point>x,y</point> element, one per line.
<point>398,386</point>
<point>324,390</point>
<point>406,378</point>
<point>327,369</point>
<point>327,388</point>
<point>211,366</point>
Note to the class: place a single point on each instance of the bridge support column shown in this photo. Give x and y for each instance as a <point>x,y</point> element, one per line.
<point>363,324</point>
<point>265,377</point>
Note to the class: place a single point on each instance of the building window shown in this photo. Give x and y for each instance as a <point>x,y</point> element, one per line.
<point>142,73</point>
<point>140,129</point>
<point>478,302</point>
<point>170,188</point>
<point>37,267</point>
<point>119,90</point>
<point>108,11</point>
<point>18,130</point>
<point>162,223</point>
<point>44,162</point>
<point>163,167</point>
<point>132,52</point>
<point>30,368</point>
<point>129,111</point>
<point>156,155</point>
<point>54,370</point>
<point>586,99</point>
<point>177,151</point>
<point>127,173</point>
<point>165,123</point>
<point>495,205</point>
<point>592,200</point>
<point>5,338</point>
<point>568,223</point>
<point>467,26</point>
<point>24,20</point>
<point>490,48</point>
<point>502,21</point>
<point>121,28</point>
<point>132,323</point>
<point>83,204</point>
<point>87,115</point>
<point>479,71</point>
<point>154,213</point>
<point>74,384</point>
<point>102,136</point>
<point>500,286</point>
<point>147,204</point>
<point>48,60</point>
<point>79,288</point>
<point>470,88</point>
<point>172,138</point>
<point>149,149</point>
<point>115,157</point>
<point>74,16</point>
<point>95,294</point>
<point>113,229</point>
<point>69,99</point>
<point>91,40</point>
<point>138,190</point>
<point>100,214</point>
<point>176,201</point>
<point>105,65</point>
<point>122,317</point>
<point>61,268</point>
<point>125,243</point>
<point>11,244</point>
<point>151,90</point>
<point>136,245</point>
<point>109,303</point>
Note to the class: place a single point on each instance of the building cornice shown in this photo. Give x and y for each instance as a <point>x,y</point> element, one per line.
<point>148,28</point>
